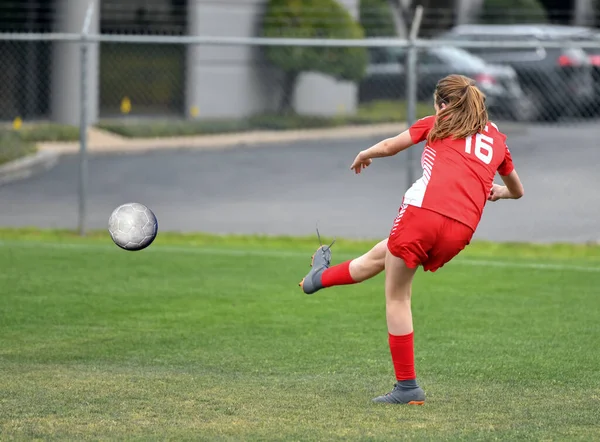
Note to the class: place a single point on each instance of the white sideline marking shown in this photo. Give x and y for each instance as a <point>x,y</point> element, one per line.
<point>525,265</point>
<point>290,254</point>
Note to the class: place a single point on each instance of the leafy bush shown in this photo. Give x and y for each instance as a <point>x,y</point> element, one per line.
<point>312,19</point>
<point>385,111</point>
<point>48,132</point>
<point>172,128</point>
<point>293,122</point>
<point>376,18</point>
<point>12,146</point>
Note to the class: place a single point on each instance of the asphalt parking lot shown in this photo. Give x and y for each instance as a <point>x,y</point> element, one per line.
<point>288,189</point>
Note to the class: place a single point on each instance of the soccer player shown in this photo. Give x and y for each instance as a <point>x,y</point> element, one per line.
<point>438,215</point>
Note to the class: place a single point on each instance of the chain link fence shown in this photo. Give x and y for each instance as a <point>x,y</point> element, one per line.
<point>524,80</point>
<point>164,73</point>
<point>25,87</point>
<point>141,72</point>
<point>526,84</point>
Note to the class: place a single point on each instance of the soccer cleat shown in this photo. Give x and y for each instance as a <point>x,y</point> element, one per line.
<point>320,261</point>
<point>403,395</point>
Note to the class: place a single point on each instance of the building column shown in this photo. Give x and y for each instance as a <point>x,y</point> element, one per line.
<point>65,101</point>
<point>467,10</point>
<point>584,13</point>
<point>224,81</point>
<point>192,99</point>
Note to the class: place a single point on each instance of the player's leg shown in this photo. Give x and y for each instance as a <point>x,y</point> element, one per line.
<point>412,236</point>
<point>431,240</point>
<point>365,266</point>
<point>349,272</point>
<point>398,284</point>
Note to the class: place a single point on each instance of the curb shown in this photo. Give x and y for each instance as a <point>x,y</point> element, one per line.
<point>223,141</point>
<point>100,142</point>
<point>26,167</point>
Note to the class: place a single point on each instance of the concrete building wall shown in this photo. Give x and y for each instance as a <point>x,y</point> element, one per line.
<point>65,94</point>
<point>226,82</point>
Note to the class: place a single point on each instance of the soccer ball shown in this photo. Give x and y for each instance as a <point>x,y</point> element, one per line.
<point>132,226</point>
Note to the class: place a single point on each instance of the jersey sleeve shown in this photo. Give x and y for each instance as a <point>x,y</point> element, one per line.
<point>507,166</point>
<point>421,128</point>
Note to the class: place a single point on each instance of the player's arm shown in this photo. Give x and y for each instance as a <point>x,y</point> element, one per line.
<point>389,147</point>
<point>385,148</point>
<point>512,189</point>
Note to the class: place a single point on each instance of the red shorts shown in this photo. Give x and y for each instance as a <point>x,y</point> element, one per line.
<point>423,237</point>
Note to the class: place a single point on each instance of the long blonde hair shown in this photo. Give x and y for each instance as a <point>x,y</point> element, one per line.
<point>465,112</point>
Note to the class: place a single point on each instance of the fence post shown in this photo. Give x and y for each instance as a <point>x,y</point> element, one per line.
<point>83,122</point>
<point>411,87</point>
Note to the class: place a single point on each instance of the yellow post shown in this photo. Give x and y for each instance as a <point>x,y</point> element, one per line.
<point>125,105</point>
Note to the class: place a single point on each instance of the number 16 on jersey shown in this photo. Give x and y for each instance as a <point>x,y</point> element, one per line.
<point>483,147</point>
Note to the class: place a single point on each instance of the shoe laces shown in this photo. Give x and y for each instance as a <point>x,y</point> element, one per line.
<point>389,393</point>
<point>396,388</point>
<point>323,247</point>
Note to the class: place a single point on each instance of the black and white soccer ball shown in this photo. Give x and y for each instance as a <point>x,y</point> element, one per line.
<point>132,226</point>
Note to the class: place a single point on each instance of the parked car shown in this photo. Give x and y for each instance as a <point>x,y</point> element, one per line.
<point>587,35</point>
<point>386,78</point>
<point>557,80</point>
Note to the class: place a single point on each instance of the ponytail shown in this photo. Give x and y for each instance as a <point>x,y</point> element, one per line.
<point>464,114</point>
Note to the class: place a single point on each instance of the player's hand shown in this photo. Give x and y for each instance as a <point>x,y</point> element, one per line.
<point>497,192</point>
<point>360,163</point>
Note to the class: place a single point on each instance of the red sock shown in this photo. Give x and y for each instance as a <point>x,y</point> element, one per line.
<point>403,356</point>
<point>337,275</point>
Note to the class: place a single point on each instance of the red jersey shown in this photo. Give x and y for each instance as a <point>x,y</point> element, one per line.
<point>458,174</point>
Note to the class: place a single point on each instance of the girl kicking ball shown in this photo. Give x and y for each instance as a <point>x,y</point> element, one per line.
<point>438,215</point>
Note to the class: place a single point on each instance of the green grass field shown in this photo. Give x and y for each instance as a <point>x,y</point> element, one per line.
<point>206,338</point>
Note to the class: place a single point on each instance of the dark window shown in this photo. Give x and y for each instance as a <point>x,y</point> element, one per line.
<point>24,77</point>
<point>26,16</point>
<point>166,17</point>
<point>151,76</point>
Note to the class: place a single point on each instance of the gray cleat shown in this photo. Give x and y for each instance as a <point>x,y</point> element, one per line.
<point>403,395</point>
<point>320,262</point>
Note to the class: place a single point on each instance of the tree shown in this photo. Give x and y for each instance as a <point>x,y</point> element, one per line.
<point>376,18</point>
<point>312,19</point>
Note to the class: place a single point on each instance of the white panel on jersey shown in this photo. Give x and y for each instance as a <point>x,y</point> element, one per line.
<point>415,195</point>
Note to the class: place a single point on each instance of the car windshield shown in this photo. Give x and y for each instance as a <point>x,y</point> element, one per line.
<point>454,55</point>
